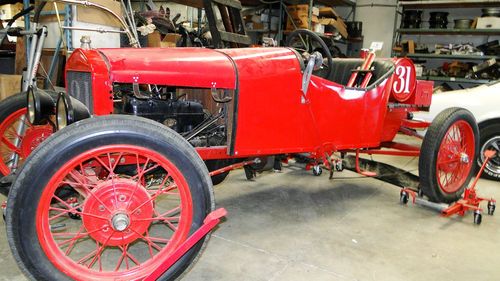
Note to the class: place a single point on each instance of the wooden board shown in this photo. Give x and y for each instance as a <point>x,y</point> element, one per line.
<point>9,85</point>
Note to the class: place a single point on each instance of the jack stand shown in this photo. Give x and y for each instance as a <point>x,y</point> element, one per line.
<point>358,169</point>
<point>469,202</point>
<point>208,224</point>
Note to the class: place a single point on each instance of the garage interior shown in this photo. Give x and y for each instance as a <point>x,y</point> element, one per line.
<point>300,215</point>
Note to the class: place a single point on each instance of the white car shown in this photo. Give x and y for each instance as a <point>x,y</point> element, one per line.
<point>484,102</point>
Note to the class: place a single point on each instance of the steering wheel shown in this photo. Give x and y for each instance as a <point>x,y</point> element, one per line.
<point>303,34</point>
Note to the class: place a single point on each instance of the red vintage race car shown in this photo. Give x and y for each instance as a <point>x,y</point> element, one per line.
<point>125,181</point>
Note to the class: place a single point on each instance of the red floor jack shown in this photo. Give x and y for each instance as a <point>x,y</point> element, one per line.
<point>208,224</point>
<point>469,202</point>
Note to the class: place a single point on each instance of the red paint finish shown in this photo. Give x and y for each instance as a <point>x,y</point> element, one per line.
<point>32,137</point>
<point>271,117</point>
<point>209,223</point>
<point>456,157</point>
<point>405,79</point>
<point>188,67</point>
<point>92,61</point>
<point>423,94</point>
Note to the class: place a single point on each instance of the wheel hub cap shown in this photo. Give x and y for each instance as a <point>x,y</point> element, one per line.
<point>33,137</point>
<point>117,212</point>
<point>464,158</point>
<point>120,222</point>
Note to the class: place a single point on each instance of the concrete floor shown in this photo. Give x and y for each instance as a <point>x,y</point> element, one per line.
<point>294,226</point>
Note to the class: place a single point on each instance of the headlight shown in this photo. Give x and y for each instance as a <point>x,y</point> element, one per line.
<point>40,105</point>
<point>69,110</point>
<point>31,105</point>
<point>62,115</point>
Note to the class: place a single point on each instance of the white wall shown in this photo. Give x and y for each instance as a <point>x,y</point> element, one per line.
<point>378,23</point>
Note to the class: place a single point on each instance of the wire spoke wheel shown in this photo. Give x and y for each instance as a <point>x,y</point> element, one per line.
<point>454,163</point>
<point>125,194</point>
<point>129,223</point>
<point>448,154</point>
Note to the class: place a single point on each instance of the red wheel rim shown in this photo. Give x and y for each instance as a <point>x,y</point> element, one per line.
<point>28,141</point>
<point>130,223</point>
<point>455,157</point>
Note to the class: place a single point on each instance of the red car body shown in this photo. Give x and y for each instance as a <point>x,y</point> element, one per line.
<point>270,114</point>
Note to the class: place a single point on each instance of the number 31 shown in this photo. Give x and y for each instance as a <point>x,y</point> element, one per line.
<point>402,84</point>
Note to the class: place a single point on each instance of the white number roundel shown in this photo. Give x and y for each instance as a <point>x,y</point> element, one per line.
<point>402,83</point>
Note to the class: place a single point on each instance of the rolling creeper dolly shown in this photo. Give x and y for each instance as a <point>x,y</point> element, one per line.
<point>470,200</point>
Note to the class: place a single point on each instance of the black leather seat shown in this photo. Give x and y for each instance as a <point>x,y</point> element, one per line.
<point>342,70</point>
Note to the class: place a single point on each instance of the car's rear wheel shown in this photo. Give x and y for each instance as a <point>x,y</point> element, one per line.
<point>18,136</point>
<point>116,225</point>
<point>447,155</point>
<point>490,140</point>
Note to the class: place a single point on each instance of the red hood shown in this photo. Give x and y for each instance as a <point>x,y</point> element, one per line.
<point>188,67</point>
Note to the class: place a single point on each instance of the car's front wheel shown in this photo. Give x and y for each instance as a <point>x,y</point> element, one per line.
<point>490,140</point>
<point>108,198</point>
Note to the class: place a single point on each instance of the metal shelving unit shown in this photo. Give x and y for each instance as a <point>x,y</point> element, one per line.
<point>440,35</point>
<point>328,3</point>
<point>436,31</point>
<point>454,79</point>
<point>440,4</point>
<point>446,57</point>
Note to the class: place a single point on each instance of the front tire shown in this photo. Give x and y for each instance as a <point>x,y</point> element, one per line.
<point>490,139</point>
<point>129,224</point>
<point>447,155</point>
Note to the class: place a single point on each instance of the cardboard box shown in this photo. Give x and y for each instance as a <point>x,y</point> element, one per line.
<point>298,10</point>
<point>319,28</point>
<point>488,23</point>
<point>88,14</point>
<point>300,16</point>
<point>7,11</point>
<point>9,85</point>
<point>300,22</point>
<point>328,12</point>
<point>315,11</point>
<point>170,40</point>
<point>339,25</point>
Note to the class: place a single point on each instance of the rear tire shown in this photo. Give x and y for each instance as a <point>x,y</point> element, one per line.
<point>490,137</point>
<point>213,165</point>
<point>447,155</point>
<point>71,157</point>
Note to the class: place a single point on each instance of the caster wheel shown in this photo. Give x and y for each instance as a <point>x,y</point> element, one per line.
<point>317,171</point>
<point>477,218</point>
<point>403,197</point>
<point>491,208</point>
<point>250,173</point>
<point>420,193</point>
<point>339,166</point>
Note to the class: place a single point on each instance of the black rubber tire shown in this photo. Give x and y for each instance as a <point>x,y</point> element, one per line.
<point>10,105</point>
<point>213,165</point>
<point>478,218</point>
<point>79,137</point>
<point>487,133</point>
<point>318,172</point>
<point>403,198</point>
<point>429,153</point>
